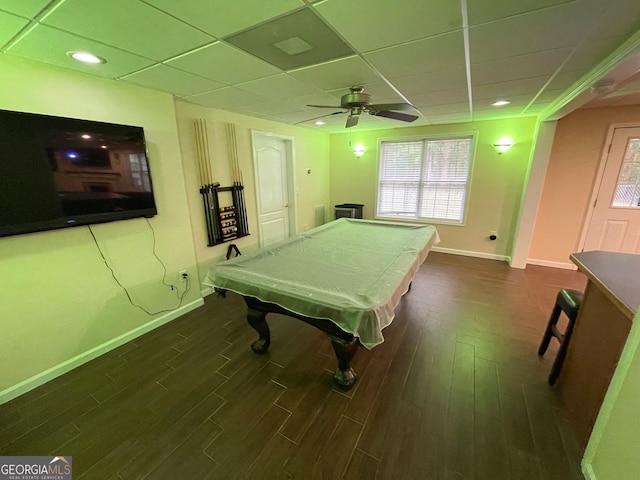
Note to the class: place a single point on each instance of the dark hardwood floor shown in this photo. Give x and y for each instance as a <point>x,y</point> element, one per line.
<point>456,391</point>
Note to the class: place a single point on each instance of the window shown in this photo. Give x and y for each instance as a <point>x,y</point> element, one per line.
<point>424,179</point>
<point>628,187</point>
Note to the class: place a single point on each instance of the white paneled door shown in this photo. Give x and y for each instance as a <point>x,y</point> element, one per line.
<point>270,161</point>
<point>615,223</point>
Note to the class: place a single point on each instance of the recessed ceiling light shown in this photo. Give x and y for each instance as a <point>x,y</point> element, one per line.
<point>86,57</point>
<point>319,122</point>
<point>501,103</point>
<point>86,136</point>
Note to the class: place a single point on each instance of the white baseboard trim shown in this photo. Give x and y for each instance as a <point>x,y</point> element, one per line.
<point>588,472</point>
<point>68,365</point>
<point>548,263</point>
<point>206,291</point>
<point>468,253</point>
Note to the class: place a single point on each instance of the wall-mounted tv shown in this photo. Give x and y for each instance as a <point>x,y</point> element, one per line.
<point>61,172</point>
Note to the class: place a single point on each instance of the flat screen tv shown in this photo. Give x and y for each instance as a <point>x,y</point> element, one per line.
<point>61,172</point>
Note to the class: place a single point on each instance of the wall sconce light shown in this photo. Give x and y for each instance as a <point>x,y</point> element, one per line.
<point>503,144</point>
<point>359,150</point>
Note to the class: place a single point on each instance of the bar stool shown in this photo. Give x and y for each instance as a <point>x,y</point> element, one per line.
<point>567,301</point>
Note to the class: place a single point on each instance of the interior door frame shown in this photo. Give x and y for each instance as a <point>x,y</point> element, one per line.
<point>291,183</point>
<point>595,191</point>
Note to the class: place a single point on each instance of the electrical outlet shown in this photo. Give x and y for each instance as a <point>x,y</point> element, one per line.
<point>184,276</point>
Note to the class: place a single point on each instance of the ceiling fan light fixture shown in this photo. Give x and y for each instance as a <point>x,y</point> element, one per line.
<point>357,102</point>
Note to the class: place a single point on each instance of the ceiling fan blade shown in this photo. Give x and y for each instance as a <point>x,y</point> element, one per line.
<point>392,106</point>
<point>324,106</point>
<point>321,116</point>
<point>352,121</point>
<point>404,117</point>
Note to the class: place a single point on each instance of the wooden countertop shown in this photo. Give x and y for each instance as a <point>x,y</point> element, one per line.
<point>616,274</point>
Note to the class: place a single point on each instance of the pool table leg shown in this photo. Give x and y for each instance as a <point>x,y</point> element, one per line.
<point>258,322</point>
<point>345,377</point>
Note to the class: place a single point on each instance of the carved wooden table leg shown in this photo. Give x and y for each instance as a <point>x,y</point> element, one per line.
<point>345,377</point>
<point>258,322</point>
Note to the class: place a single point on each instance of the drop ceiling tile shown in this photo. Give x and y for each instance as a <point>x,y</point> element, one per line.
<point>338,74</point>
<point>452,108</point>
<point>305,116</point>
<point>271,108</point>
<point>561,26</point>
<point>320,98</point>
<point>278,87</point>
<point>48,45</point>
<point>592,52</point>
<point>304,27</point>
<point>549,95</point>
<point>395,22</point>
<point>226,97</point>
<point>520,101</point>
<point>444,119</point>
<point>522,66</point>
<point>505,90</point>
<point>237,15</point>
<point>621,18</point>
<point>444,52</point>
<point>535,108</point>
<point>564,79</point>
<point>24,8</point>
<point>444,97</point>
<point>490,114</point>
<point>168,79</point>
<point>131,26</point>
<point>482,12</point>
<point>430,82</point>
<point>223,63</point>
<point>10,25</point>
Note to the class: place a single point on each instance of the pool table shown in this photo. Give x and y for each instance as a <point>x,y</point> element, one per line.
<point>345,278</point>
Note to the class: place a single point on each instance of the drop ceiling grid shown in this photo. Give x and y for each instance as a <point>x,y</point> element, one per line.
<point>443,52</point>
<point>25,8</point>
<point>519,50</point>
<point>10,26</point>
<point>337,74</point>
<point>172,80</point>
<point>238,15</point>
<point>49,45</point>
<point>223,63</point>
<point>132,26</point>
<point>403,21</point>
<point>562,26</point>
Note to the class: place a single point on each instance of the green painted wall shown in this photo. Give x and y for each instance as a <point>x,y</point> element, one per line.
<point>58,300</point>
<point>496,183</point>
<point>613,452</point>
<point>311,152</point>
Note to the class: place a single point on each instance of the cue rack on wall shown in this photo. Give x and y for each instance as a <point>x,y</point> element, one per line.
<point>228,221</point>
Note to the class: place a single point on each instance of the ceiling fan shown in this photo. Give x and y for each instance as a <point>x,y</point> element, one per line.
<point>358,102</point>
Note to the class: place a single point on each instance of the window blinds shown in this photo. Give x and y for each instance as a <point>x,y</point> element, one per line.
<point>425,179</point>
